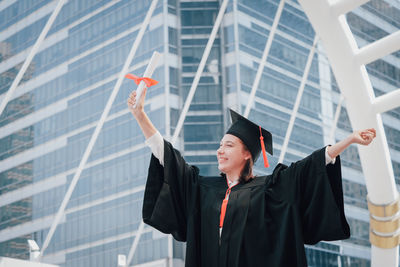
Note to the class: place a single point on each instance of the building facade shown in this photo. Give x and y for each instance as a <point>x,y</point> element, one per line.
<point>46,126</point>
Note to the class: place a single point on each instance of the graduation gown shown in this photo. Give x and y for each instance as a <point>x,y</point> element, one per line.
<point>268,219</point>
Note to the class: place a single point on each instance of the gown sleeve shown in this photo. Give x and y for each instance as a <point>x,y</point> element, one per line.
<point>315,189</point>
<point>170,193</point>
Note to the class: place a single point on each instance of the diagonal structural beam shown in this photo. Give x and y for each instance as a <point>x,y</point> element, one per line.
<point>185,109</point>
<point>32,53</point>
<point>264,58</point>
<point>337,115</point>
<point>298,99</point>
<point>200,69</point>
<point>387,101</point>
<point>135,243</point>
<point>99,126</point>
<point>340,7</point>
<point>379,49</point>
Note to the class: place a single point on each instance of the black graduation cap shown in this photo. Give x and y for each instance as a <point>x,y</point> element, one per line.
<point>252,135</point>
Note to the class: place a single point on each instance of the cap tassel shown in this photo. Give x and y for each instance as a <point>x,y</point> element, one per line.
<point>266,164</point>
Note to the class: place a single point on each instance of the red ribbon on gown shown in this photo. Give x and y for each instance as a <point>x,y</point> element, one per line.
<point>224,205</point>
<point>148,81</point>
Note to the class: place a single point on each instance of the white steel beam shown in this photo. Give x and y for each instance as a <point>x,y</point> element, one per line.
<point>185,109</point>
<point>298,99</point>
<point>264,58</point>
<point>200,69</point>
<point>32,53</point>
<point>379,48</point>
<point>99,126</point>
<point>135,243</point>
<point>340,7</point>
<point>387,101</point>
<point>354,83</point>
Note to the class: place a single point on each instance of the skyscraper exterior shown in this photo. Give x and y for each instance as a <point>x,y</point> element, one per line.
<point>46,126</point>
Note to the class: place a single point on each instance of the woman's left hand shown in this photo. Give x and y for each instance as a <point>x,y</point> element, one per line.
<point>364,137</point>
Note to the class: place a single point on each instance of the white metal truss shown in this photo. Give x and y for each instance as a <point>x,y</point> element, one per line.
<point>31,55</point>
<point>99,126</point>
<point>347,62</point>
<point>386,102</point>
<point>186,106</point>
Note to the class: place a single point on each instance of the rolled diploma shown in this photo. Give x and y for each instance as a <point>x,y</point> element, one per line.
<point>147,73</point>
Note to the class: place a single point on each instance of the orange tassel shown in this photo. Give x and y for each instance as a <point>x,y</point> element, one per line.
<point>266,164</point>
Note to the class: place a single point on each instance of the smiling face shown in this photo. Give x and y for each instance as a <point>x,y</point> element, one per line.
<point>232,156</point>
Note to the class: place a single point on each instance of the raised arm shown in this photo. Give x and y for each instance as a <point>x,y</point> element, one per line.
<point>171,186</point>
<point>141,117</point>
<point>363,137</point>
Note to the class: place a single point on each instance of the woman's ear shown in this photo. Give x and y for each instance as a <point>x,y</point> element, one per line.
<point>247,155</point>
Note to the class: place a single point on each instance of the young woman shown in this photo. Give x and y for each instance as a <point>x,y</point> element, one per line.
<point>237,219</point>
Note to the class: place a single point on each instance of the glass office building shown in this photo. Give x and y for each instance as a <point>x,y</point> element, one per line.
<point>46,126</point>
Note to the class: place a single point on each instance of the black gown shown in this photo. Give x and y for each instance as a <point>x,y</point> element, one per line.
<point>268,219</point>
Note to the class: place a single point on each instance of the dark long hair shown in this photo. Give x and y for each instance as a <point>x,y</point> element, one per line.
<point>246,172</point>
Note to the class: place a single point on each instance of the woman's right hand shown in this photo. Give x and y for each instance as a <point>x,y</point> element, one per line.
<point>139,109</point>
<point>144,122</point>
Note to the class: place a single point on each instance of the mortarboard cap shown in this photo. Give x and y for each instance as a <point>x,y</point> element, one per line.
<point>252,135</point>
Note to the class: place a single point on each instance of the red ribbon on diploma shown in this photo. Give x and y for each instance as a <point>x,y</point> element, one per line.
<point>148,81</point>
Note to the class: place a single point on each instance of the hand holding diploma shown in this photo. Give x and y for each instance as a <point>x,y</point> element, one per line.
<point>136,108</point>
<point>141,95</point>
<point>136,99</point>
<point>145,80</point>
